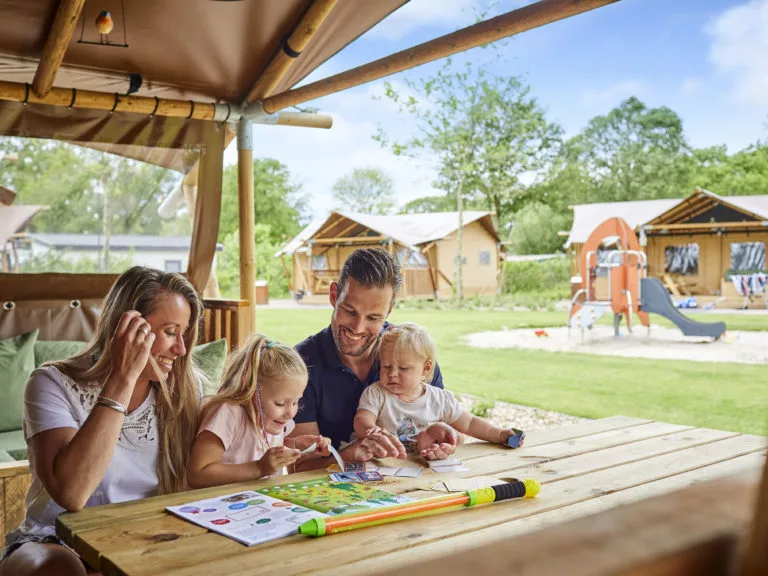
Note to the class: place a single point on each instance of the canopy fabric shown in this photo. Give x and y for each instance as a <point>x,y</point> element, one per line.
<point>14,219</point>
<point>188,49</point>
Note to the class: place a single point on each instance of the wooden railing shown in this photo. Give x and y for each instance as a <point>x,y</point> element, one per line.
<point>226,319</point>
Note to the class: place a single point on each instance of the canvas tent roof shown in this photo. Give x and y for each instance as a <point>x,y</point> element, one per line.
<point>145,242</point>
<point>586,217</point>
<point>14,219</point>
<point>406,229</point>
<point>185,49</point>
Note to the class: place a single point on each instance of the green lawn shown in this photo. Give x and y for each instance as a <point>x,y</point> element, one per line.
<point>714,395</point>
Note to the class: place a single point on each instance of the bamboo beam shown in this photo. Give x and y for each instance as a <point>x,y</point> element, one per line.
<point>7,196</point>
<point>167,107</point>
<point>520,20</point>
<point>445,277</point>
<point>246,210</point>
<point>345,231</point>
<point>350,240</point>
<point>56,44</point>
<point>296,42</point>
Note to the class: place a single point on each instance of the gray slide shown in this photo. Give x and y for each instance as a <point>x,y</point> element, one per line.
<point>655,299</point>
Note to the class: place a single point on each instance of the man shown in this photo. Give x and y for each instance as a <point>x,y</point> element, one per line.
<point>343,360</point>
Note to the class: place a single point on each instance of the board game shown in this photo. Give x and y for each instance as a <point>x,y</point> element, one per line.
<point>333,497</point>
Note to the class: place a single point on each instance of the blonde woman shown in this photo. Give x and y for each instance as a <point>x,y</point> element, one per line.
<point>104,426</point>
<point>244,426</point>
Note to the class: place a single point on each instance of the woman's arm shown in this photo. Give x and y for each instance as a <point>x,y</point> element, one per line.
<point>72,462</point>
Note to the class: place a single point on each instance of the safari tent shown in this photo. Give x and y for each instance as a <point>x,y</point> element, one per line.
<point>703,245</point>
<point>424,244</point>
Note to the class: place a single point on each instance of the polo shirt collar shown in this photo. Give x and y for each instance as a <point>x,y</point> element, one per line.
<point>331,354</point>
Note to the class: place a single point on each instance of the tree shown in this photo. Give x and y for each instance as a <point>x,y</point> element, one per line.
<point>632,153</point>
<point>742,173</point>
<point>487,132</point>
<point>535,230</point>
<point>365,190</point>
<point>427,204</point>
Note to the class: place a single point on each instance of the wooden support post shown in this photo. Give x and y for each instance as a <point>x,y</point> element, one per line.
<point>295,43</point>
<point>247,216</point>
<point>56,44</point>
<point>755,560</point>
<point>287,274</point>
<point>520,20</point>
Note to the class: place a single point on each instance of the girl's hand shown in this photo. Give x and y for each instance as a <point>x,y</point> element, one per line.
<point>130,347</point>
<point>303,442</point>
<point>276,458</point>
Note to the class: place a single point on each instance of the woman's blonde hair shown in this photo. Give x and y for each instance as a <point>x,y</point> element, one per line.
<point>177,401</point>
<point>252,368</point>
<point>410,337</point>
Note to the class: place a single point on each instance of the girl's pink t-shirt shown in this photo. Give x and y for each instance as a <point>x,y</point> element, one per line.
<point>242,442</point>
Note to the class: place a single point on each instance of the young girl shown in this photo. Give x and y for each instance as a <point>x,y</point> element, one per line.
<point>244,426</point>
<point>403,404</point>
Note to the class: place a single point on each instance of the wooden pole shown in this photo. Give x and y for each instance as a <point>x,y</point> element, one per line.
<point>93,100</point>
<point>7,196</point>
<point>520,20</point>
<point>56,44</point>
<point>247,217</point>
<point>755,560</point>
<point>296,42</point>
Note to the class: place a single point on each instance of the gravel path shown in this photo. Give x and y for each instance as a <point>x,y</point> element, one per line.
<point>514,415</point>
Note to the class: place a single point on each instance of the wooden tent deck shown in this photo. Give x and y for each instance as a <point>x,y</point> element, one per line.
<point>584,469</point>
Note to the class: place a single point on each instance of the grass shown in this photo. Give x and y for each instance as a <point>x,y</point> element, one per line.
<point>725,396</point>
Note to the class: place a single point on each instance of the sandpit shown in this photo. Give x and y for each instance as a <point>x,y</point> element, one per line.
<point>662,343</point>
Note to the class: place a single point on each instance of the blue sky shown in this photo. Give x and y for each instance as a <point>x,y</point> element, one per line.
<point>705,59</point>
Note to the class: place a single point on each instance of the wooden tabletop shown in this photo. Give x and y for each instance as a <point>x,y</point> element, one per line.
<point>584,469</point>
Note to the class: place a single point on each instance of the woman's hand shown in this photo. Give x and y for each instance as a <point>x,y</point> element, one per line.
<point>129,348</point>
<point>276,459</point>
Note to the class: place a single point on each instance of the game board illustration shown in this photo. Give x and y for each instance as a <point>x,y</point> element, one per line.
<point>333,498</point>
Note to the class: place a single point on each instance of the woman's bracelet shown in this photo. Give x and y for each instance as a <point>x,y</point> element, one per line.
<point>113,404</point>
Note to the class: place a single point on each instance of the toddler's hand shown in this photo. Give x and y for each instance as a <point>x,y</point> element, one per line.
<point>505,434</point>
<point>276,458</point>
<point>437,441</point>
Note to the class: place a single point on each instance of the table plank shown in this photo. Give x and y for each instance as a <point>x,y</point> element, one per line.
<point>748,467</point>
<point>93,518</point>
<point>212,553</point>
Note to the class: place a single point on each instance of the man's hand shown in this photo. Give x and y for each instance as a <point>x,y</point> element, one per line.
<point>437,442</point>
<point>377,443</point>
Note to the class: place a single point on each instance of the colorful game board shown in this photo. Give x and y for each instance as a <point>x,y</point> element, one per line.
<point>333,497</point>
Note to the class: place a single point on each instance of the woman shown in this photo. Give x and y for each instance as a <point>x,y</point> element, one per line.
<point>104,426</point>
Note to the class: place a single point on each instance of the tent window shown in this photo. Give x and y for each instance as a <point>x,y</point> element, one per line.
<point>411,258</point>
<point>319,262</point>
<point>682,259</point>
<point>485,257</point>
<point>748,256</point>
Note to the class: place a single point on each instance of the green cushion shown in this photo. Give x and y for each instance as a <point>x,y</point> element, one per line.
<point>5,457</point>
<point>56,350</point>
<point>210,359</point>
<point>17,360</point>
<point>13,443</point>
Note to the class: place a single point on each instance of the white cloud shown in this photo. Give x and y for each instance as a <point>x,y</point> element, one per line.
<point>418,13</point>
<point>739,48</point>
<point>615,93</point>
<point>690,86</point>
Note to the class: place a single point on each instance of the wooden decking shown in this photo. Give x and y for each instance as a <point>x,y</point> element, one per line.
<point>584,469</point>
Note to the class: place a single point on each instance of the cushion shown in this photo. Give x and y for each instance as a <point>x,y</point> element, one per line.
<point>210,359</point>
<point>17,360</point>
<point>46,351</point>
<point>5,457</point>
<point>13,443</point>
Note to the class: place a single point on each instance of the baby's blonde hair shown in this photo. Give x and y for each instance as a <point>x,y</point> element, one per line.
<point>254,366</point>
<point>410,337</point>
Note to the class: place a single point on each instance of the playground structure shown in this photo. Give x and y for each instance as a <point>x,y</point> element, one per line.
<point>629,290</point>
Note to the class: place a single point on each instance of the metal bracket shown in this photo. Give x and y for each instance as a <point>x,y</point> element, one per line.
<point>245,134</point>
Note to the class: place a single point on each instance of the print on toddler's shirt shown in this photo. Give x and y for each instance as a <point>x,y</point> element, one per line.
<point>406,433</point>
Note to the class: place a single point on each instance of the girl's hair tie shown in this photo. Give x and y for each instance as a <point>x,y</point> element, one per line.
<point>270,343</point>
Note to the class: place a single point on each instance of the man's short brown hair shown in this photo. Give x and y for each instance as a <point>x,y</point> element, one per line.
<point>372,268</point>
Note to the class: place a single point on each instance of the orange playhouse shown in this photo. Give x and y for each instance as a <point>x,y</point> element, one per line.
<point>629,290</point>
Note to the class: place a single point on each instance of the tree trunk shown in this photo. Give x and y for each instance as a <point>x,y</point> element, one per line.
<point>459,234</point>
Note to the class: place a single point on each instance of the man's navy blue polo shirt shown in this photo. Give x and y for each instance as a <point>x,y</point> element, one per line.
<point>333,391</point>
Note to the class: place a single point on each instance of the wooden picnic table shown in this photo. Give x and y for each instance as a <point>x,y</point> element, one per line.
<point>584,468</point>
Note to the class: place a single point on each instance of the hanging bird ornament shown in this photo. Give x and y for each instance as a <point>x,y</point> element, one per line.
<point>104,25</point>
